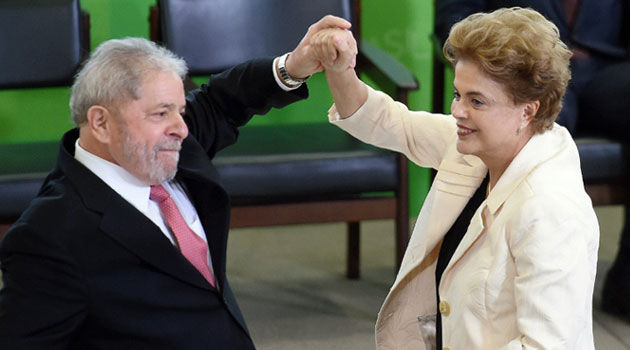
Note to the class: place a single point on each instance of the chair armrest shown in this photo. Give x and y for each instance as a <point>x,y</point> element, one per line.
<point>379,65</point>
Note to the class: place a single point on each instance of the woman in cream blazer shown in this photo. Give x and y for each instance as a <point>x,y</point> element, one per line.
<point>522,275</point>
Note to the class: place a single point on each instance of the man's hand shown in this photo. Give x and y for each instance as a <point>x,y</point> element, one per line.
<point>335,48</point>
<point>303,61</point>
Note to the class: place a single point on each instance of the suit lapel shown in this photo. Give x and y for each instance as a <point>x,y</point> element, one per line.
<point>210,200</point>
<point>124,223</point>
<point>213,208</point>
<point>138,234</point>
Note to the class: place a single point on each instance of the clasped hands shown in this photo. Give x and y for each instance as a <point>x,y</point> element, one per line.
<point>328,45</point>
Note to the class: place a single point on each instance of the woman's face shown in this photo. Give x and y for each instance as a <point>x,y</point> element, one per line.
<point>488,120</point>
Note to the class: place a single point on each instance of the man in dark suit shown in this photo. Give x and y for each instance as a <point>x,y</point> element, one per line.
<point>598,97</point>
<point>124,247</point>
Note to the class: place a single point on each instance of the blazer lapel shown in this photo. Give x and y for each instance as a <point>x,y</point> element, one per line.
<point>538,149</point>
<point>457,180</point>
<point>473,232</point>
<point>461,176</point>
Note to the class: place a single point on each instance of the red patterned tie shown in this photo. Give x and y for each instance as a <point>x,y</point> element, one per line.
<point>192,246</point>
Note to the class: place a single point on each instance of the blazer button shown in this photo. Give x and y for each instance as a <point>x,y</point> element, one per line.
<point>445,308</point>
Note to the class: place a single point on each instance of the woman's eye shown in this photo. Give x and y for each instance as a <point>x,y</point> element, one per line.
<point>477,102</point>
<point>456,96</point>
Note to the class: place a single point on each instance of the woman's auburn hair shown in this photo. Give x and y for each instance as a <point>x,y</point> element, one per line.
<point>520,49</point>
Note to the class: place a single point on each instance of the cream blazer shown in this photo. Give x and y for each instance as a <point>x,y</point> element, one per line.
<point>522,277</point>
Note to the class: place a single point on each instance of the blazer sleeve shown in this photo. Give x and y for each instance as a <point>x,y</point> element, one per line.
<point>44,300</point>
<point>555,253</point>
<point>423,137</point>
<point>230,99</point>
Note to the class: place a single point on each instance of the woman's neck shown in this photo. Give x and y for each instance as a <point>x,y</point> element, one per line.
<point>498,165</point>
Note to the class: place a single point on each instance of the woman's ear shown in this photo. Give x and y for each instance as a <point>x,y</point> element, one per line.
<point>530,110</point>
<point>99,121</point>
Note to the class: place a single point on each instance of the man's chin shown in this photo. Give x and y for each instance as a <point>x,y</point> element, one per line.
<point>163,175</point>
<point>169,176</point>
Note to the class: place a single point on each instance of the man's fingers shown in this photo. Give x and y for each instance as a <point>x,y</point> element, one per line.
<point>322,43</point>
<point>331,21</point>
<point>334,48</point>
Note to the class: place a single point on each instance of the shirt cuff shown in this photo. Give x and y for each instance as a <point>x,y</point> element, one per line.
<point>333,115</point>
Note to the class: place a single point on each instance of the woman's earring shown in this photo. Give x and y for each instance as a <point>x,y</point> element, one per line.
<point>520,129</point>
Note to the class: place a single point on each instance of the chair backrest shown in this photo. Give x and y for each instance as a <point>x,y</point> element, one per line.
<point>212,35</point>
<point>42,42</point>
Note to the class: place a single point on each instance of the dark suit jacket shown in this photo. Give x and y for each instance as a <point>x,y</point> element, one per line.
<point>601,26</point>
<point>83,269</point>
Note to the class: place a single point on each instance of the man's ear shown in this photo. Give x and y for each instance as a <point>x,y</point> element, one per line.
<point>99,121</point>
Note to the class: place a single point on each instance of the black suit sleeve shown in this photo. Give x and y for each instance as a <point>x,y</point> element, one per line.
<point>230,99</point>
<point>43,301</point>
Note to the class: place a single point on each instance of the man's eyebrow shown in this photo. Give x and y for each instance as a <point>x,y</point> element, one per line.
<point>166,105</point>
<point>170,106</point>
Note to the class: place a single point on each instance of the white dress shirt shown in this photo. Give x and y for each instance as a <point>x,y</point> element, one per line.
<point>137,194</point>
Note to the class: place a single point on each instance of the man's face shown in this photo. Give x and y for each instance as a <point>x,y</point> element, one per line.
<point>149,131</point>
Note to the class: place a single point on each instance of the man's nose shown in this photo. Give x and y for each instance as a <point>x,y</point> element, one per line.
<point>178,127</point>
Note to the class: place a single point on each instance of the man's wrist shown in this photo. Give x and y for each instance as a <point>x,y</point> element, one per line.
<point>284,75</point>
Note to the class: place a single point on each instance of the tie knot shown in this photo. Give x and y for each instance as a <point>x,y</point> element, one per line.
<point>158,193</point>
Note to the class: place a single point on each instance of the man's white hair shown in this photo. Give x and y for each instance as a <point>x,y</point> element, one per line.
<point>114,72</point>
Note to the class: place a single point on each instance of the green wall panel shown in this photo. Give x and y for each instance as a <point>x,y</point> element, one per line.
<point>34,114</point>
<point>401,27</point>
<point>117,18</point>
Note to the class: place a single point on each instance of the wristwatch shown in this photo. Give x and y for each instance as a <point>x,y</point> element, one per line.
<point>284,75</point>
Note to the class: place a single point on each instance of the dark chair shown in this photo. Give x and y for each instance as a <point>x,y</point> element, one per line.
<point>604,161</point>
<point>294,174</point>
<point>42,44</point>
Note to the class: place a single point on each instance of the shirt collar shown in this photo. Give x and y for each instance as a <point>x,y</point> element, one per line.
<point>129,187</point>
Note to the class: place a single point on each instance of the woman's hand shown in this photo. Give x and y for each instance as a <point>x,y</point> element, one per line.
<point>336,49</point>
<point>302,62</point>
